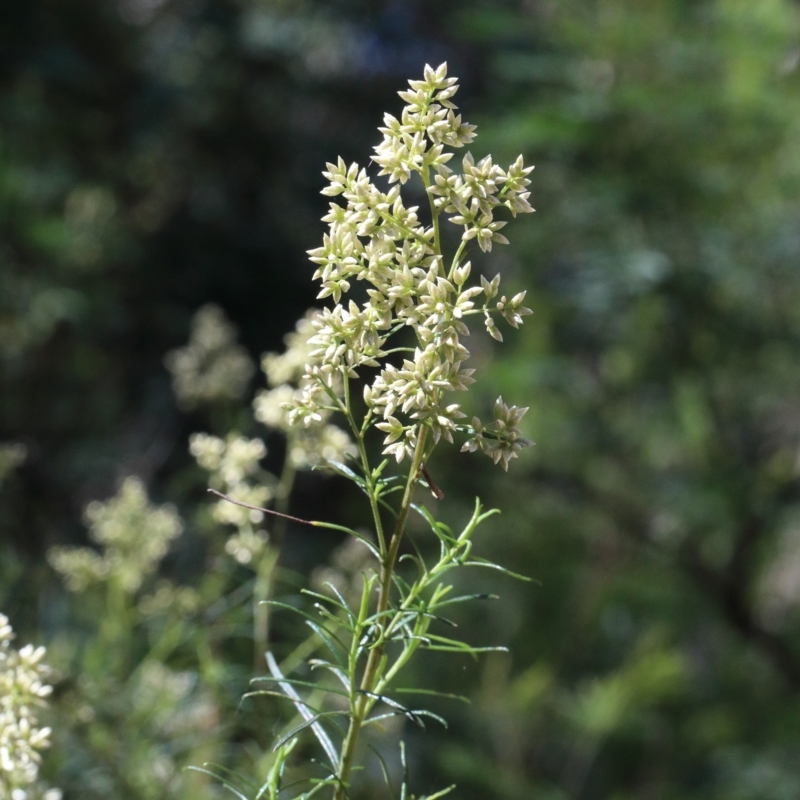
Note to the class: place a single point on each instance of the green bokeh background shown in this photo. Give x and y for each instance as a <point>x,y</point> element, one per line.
<point>156,155</point>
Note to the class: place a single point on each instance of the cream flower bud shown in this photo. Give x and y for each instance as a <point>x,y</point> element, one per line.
<point>490,288</point>
<point>512,310</point>
<point>368,399</point>
<point>461,273</point>
<point>492,329</point>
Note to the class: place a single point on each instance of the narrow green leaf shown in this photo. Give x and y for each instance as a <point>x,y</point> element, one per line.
<point>324,635</point>
<point>482,562</point>
<point>389,481</point>
<point>341,528</point>
<point>330,616</point>
<point>280,695</point>
<point>331,779</point>
<point>230,772</point>
<point>448,641</point>
<point>275,774</point>
<point>388,715</point>
<point>315,626</point>
<point>441,530</point>
<point>341,469</point>
<point>466,598</point>
<point>401,584</point>
<point>319,731</point>
<point>378,471</point>
<point>387,506</point>
<point>307,723</point>
<point>472,651</point>
<point>404,766</point>
<point>439,794</point>
<point>412,714</point>
<point>433,693</point>
<point>384,769</point>
<point>296,682</point>
<point>425,713</point>
<point>219,778</point>
<point>340,603</point>
<point>337,671</point>
<point>422,570</point>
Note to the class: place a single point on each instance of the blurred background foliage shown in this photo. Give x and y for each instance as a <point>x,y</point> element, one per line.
<point>158,155</point>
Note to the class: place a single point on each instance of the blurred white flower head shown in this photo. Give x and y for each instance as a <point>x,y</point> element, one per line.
<point>233,464</point>
<point>212,366</point>
<point>133,535</point>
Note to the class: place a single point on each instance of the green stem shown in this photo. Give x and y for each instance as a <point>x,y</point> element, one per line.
<point>115,627</point>
<point>404,228</point>
<point>426,180</point>
<point>456,259</point>
<point>365,466</point>
<point>268,563</point>
<point>262,592</point>
<point>360,702</point>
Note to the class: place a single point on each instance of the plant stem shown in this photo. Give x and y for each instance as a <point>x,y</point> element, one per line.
<point>115,627</point>
<point>267,565</point>
<point>456,259</point>
<point>360,702</point>
<point>362,450</point>
<point>426,181</point>
<point>262,592</point>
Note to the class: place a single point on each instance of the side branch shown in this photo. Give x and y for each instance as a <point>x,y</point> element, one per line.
<point>264,510</point>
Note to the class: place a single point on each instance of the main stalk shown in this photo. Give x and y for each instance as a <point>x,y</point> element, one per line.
<point>360,704</point>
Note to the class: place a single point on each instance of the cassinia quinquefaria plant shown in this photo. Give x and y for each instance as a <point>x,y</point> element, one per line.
<point>23,690</point>
<point>402,344</point>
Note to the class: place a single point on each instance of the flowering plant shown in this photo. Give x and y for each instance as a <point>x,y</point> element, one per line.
<point>23,691</point>
<point>408,324</point>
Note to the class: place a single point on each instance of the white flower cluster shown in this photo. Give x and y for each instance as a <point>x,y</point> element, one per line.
<point>212,366</point>
<point>320,440</point>
<point>375,238</point>
<point>500,440</point>
<point>234,464</point>
<point>134,537</point>
<point>23,690</point>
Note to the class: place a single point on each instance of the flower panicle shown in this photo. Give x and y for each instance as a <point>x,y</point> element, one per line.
<point>373,237</point>
<point>501,440</point>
